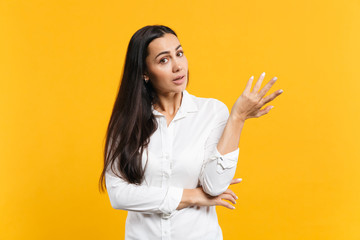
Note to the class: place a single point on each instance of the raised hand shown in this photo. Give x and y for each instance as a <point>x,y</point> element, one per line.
<point>249,104</point>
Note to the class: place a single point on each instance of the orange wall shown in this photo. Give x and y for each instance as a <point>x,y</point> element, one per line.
<point>60,65</point>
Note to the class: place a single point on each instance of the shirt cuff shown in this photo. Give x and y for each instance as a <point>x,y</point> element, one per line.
<point>226,161</point>
<point>171,201</point>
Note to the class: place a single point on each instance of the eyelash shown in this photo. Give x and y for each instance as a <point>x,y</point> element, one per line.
<point>182,52</point>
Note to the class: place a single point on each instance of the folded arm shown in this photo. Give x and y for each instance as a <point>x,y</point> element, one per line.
<point>141,198</point>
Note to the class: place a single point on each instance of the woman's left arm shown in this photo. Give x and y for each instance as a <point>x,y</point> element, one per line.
<point>219,170</point>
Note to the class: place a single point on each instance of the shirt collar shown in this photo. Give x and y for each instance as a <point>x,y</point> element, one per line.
<point>187,105</point>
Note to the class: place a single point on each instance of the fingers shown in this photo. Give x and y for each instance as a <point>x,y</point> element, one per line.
<point>225,204</point>
<point>229,191</point>
<point>271,97</point>
<point>267,87</point>
<point>263,111</point>
<point>249,84</point>
<point>228,197</point>
<point>235,180</point>
<point>258,83</point>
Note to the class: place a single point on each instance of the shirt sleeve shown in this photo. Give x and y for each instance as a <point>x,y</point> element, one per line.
<point>218,170</point>
<point>141,198</point>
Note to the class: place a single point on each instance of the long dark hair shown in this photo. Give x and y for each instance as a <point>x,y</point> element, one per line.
<point>132,122</point>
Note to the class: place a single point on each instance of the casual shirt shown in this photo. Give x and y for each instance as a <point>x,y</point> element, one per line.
<point>183,155</point>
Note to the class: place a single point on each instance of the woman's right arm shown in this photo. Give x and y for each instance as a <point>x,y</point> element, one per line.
<point>149,199</point>
<point>141,198</point>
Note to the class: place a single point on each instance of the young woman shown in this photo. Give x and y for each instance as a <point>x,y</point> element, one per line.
<point>170,156</point>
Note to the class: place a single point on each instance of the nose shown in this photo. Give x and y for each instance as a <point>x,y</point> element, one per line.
<point>177,66</point>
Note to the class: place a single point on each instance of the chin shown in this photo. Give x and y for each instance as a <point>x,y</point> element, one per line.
<point>182,87</point>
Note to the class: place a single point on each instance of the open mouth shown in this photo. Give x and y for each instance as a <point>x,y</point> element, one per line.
<point>179,80</point>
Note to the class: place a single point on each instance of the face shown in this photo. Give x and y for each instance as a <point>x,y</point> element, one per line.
<point>165,63</point>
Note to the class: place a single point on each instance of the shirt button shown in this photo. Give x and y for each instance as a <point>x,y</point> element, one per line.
<point>166,216</point>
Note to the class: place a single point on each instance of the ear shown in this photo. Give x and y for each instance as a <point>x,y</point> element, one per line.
<point>145,76</point>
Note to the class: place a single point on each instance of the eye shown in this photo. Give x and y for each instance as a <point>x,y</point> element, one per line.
<point>162,60</point>
<point>181,53</point>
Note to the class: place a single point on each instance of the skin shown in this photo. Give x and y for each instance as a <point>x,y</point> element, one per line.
<point>162,70</point>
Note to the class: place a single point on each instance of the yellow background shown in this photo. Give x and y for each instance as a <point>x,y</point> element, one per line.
<point>60,66</point>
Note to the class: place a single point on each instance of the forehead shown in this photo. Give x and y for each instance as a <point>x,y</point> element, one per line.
<point>168,42</point>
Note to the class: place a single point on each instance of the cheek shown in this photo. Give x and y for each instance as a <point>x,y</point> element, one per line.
<point>161,73</point>
<point>160,78</point>
<point>185,63</point>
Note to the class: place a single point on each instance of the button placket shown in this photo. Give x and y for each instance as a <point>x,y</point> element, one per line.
<point>164,182</point>
<point>165,225</point>
<point>166,157</point>
<point>171,140</point>
<point>166,174</point>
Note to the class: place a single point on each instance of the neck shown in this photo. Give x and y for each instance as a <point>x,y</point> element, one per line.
<point>168,103</point>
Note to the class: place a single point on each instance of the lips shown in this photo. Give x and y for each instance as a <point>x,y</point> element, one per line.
<point>179,77</point>
<point>179,80</point>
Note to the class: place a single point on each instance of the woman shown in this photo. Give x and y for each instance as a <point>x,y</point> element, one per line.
<point>170,156</point>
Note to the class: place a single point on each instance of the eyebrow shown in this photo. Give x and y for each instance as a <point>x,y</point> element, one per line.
<point>167,51</point>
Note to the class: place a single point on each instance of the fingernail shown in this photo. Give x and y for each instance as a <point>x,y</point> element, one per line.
<point>233,207</point>
<point>263,74</point>
<point>280,91</point>
<point>252,77</point>
<point>236,197</point>
<point>271,107</point>
<point>275,78</point>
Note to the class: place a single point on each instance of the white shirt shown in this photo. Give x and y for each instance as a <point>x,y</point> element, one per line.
<point>181,156</point>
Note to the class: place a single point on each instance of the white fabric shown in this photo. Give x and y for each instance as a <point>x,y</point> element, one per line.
<point>180,156</point>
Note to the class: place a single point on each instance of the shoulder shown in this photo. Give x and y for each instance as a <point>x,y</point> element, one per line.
<point>209,104</point>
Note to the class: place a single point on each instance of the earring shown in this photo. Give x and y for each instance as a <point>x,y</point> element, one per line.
<point>146,79</point>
